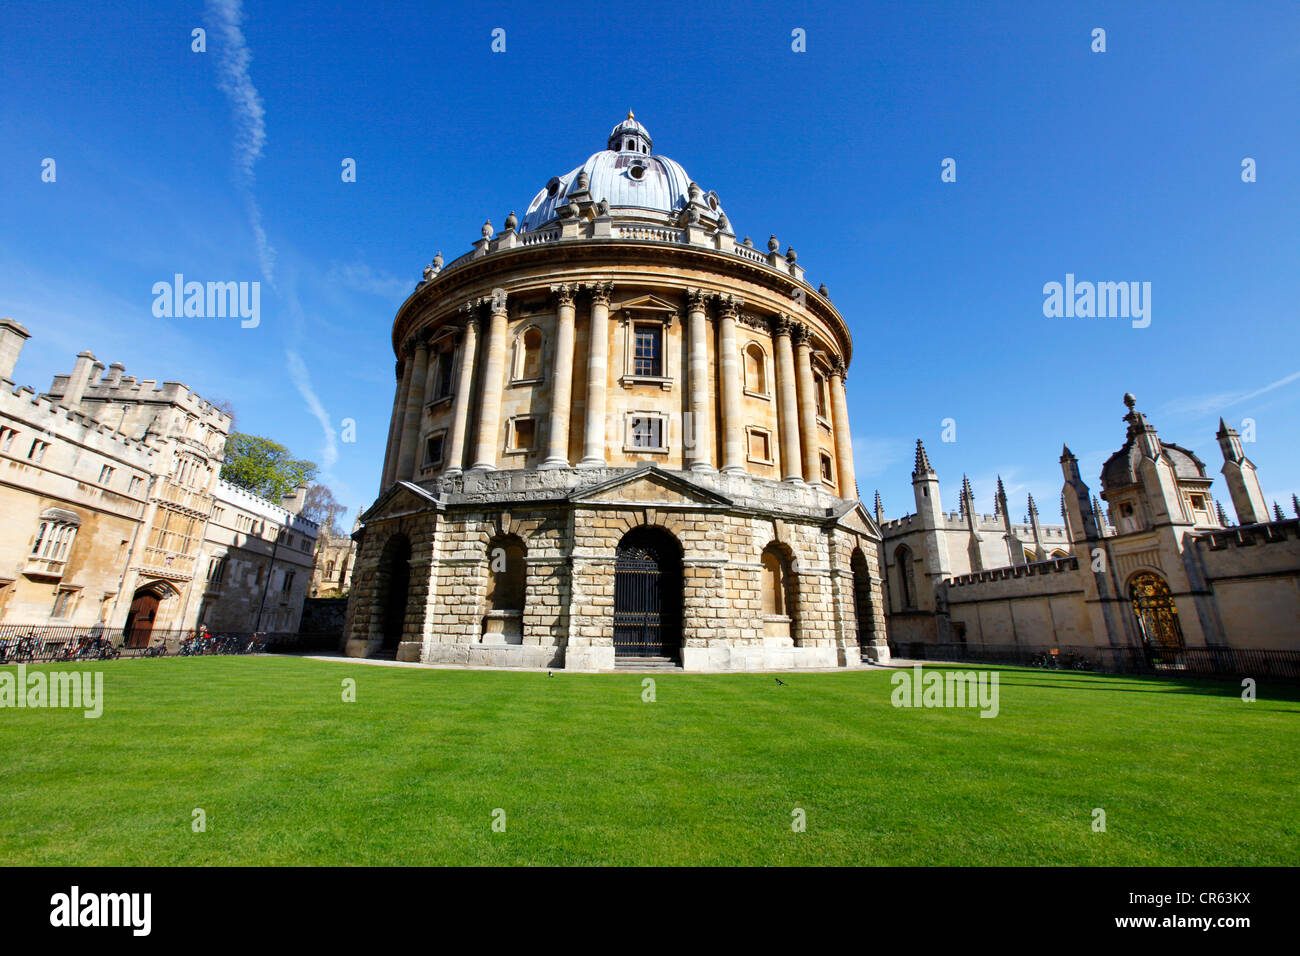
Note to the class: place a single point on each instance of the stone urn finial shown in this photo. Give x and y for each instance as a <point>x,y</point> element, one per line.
<point>437,261</point>
<point>772,244</point>
<point>790,255</point>
<point>583,180</point>
<point>602,208</point>
<point>724,224</point>
<point>748,243</point>
<point>823,291</point>
<point>487,229</point>
<point>693,190</point>
<point>511,221</point>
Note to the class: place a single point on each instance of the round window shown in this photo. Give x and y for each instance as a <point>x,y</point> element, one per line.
<point>553,187</point>
<point>637,171</point>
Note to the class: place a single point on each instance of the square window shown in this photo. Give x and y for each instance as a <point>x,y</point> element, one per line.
<point>433,450</point>
<point>647,351</point>
<point>647,431</point>
<point>828,469</point>
<point>759,446</point>
<point>524,434</point>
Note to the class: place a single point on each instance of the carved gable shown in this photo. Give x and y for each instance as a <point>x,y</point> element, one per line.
<point>651,486</point>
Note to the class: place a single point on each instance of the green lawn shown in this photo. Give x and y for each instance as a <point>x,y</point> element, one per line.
<point>586,772</point>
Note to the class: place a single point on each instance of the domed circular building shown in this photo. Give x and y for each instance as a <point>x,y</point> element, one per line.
<point>619,436</point>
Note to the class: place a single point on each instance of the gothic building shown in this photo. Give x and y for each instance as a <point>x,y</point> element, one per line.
<point>619,433</point>
<point>115,520</point>
<point>1158,567</point>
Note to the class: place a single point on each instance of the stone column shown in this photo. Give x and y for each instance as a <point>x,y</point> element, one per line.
<point>699,457</point>
<point>787,401</point>
<point>414,409</point>
<point>557,448</point>
<point>843,439</point>
<point>455,457</point>
<point>733,457</point>
<point>494,370</point>
<point>395,423</point>
<point>593,437</point>
<point>802,336</point>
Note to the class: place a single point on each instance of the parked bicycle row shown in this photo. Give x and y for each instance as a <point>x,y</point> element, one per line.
<point>39,644</point>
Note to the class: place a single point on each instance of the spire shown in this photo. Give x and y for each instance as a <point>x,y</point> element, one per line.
<point>1066,454</point>
<point>999,500</point>
<point>880,515</point>
<point>1033,508</point>
<point>1277,512</point>
<point>922,461</point>
<point>967,497</point>
<point>1295,505</point>
<point>1223,517</point>
<point>1099,514</point>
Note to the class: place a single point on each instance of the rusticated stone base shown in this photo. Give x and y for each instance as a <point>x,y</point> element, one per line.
<point>536,549</point>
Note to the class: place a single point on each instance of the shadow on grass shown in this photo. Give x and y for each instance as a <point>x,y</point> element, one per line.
<point>1266,689</point>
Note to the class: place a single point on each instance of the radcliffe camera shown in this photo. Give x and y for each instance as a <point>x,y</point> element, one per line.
<point>511,443</point>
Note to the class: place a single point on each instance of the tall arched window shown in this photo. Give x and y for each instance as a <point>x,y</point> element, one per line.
<point>755,369</point>
<point>906,581</point>
<point>528,355</point>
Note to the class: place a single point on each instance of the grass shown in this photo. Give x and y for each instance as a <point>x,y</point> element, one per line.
<point>588,773</point>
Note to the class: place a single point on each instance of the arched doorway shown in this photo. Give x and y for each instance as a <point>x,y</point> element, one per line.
<point>139,622</point>
<point>862,609</point>
<point>393,588</point>
<point>648,595</point>
<point>1153,604</point>
<point>143,616</point>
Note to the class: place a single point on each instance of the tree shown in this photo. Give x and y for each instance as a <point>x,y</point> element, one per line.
<point>264,467</point>
<point>320,506</point>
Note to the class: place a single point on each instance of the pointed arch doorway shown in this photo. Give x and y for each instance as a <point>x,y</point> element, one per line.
<point>648,595</point>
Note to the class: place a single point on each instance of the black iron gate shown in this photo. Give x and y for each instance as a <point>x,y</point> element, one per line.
<point>647,600</point>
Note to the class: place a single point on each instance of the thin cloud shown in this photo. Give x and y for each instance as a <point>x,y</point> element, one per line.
<point>1209,404</point>
<point>302,382</point>
<point>249,115</point>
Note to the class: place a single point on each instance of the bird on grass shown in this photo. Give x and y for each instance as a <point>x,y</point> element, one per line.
<point>781,682</point>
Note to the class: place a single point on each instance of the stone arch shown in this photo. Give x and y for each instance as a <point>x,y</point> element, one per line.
<point>649,593</point>
<point>779,593</point>
<point>863,606</point>
<point>152,605</point>
<point>507,590</point>
<point>1153,605</point>
<point>392,592</point>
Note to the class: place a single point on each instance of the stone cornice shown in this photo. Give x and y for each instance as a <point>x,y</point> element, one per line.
<point>474,274</point>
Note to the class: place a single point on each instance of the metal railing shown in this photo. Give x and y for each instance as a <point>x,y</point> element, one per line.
<point>47,642</point>
<point>1223,662</point>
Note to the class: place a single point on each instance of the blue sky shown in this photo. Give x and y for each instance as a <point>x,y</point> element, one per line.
<point>1115,166</point>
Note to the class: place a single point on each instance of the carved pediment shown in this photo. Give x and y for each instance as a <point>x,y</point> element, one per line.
<point>856,518</point>
<point>403,498</point>
<point>651,486</point>
<point>649,303</point>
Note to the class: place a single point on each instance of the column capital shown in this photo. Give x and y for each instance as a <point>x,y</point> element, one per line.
<point>782,325</point>
<point>498,301</point>
<point>563,294</point>
<point>600,292</point>
<point>800,333</point>
<point>838,369</point>
<point>697,300</point>
<point>729,306</point>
